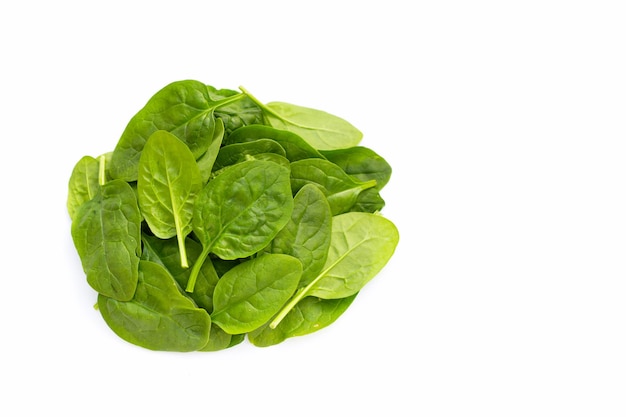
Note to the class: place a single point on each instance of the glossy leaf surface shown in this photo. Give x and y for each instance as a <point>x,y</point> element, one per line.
<point>252,292</point>
<point>206,161</point>
<point>158,317</point>
<point>107,235</point>
<point>320,129</point>
<point>240,152</point>
<point>167,254</point>
<point>169,181</point>
<point>308,316</point>
<point>295,147</point>
<point>361,163</point>
<point>307,235</point>
<point>184,108</point>
<point>340,189</point>
<point>240,211</point>
<point>361,245</point>
<point>83,184</point>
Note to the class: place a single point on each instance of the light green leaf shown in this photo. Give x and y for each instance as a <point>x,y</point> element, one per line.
<point>320,129</point>
<point>169,181</point>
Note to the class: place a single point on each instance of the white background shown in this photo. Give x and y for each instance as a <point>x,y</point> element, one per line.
<point>504,122</point>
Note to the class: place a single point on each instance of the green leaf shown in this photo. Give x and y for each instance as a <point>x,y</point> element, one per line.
<point>240,211</point>
<point>235,114</point>
<point>361,245</point>
<point>341,190</point>
<point>83,184</point>
<point>167,254</point>
<point>240,152</point>
<point>295,147</point>
<point>169,181</point>
<point>184,108</point>
<point>158,317</point>
<point>307,235</point>
<point>252,292</point>
<point>206,161</point>
<point>361,163</point>
<point>106,231</point>
<point>308,316</point>
<point>320,129</point>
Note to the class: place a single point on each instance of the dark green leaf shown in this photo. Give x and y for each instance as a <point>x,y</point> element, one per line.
<point>307,235</point>
<point>158,317</point>
<point>341,190</point>
<point>295,147</point>
<point>107,235</point>
<point>184,108</point>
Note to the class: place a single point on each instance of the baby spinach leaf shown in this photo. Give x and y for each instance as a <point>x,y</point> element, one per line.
<point>241,210</point>
<point>369,201</point>
<point>307,235</point>
<point>361,163</point>
<point>252,292</point>
<point>308,316</point>
<point>206,161</point>
<point>158,317</point>
<point>340,189</point>
<point>295,147</point>
<point>361,245</point>
<point>169,180</point>
<point>320,129</point>
<point>235,114</point>
<point>107,234</point>
<point>166,253</point>
<point>240,152</point>
<point>184,108</point>
<point>83,184</point>
<point>218,340</point>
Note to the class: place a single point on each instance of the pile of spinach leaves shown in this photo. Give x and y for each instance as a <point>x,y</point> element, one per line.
<point>217,216</point>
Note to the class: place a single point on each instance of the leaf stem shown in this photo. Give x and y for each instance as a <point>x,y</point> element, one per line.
<point>259,103</point>
<point>101,171</point>
<point>196,269</point>
<point>228,100</point>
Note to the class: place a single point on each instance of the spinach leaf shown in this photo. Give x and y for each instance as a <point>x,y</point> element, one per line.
<point>83,184</point>
<point>361,163</point>
<point>295,147</point>
<point>184,108</point>
<point>252,292</point>
<point>106,232</point>
<point>218,340</point>
<point>308,316</point>
<point>241,210</point>
<point>166,253</point>
<point>341,190</point>
<point>361,245</point>
<point>307,235</point>
<point>159,317</point>
<point>206,161</point>
<point>240,152</point>
<point>235,114</point>
<point>169,180</point>
<point>369,201</point>
<point>320,129</point>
